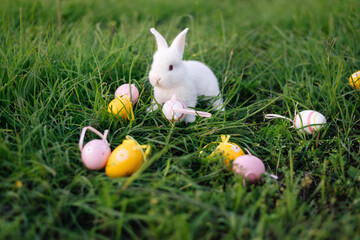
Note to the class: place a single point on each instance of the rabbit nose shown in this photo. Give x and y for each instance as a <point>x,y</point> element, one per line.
<point>157,80</point>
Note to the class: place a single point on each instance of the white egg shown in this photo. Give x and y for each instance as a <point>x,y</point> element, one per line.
<point>173,115</point>
<point>309,121</point>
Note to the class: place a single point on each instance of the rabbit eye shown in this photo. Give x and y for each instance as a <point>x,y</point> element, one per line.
<point>171,67</point>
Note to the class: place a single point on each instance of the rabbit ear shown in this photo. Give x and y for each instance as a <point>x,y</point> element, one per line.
<point>160,41</point>
<point>179,41</point>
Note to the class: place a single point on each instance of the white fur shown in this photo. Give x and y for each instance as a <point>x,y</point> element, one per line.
<point>187,80</point>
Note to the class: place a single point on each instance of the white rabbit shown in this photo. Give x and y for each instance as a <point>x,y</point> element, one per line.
<point>170,75</point>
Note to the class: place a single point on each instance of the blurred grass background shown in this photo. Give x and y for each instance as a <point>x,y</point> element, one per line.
<point>61,62</point>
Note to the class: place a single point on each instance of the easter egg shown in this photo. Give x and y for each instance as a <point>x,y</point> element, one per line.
<point>121,107</point>
<point>354,80</point>
<point>129,90</point>
<point>230,151</point>
<point>309,121</point>
<point>95,154</point>
<point>169,113</point>
<point>125,159</point>
<point>249,166</point>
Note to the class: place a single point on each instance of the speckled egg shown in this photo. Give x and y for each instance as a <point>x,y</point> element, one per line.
<point>95,154</point>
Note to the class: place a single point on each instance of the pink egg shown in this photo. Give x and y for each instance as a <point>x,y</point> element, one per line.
<point>249,166</point>
<point>95,154</point>
<point>131,91</point>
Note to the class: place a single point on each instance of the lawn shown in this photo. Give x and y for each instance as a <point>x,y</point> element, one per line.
<point>61,62</point>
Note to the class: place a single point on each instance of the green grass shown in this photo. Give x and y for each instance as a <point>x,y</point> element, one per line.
<point>57,77</point>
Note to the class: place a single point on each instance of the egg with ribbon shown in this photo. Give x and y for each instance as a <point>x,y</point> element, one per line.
<point>121,107</point>
<point>174,110</point>
<point>308,121</point>
<point>170,114</point>
<point>95,153</point>
<point>126,158</point>
<point>228,150</point>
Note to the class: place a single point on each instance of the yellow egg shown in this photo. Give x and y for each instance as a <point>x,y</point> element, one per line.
<point>121,106</point>
<point>230,151</point>
<point>354,80</point>
<point>125,159</point>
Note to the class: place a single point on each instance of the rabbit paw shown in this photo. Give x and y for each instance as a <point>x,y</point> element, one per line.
<point>189,119</point>
<point>152,108</point>
<point>219,105</point>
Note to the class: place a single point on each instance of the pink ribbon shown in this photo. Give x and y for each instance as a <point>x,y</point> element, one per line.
<point>82,135</point>
<point>185,110</point>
